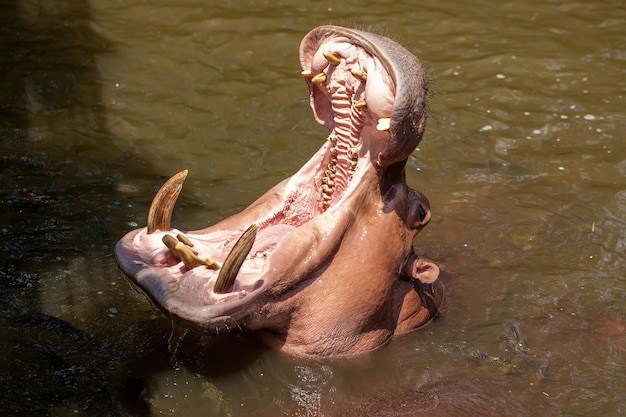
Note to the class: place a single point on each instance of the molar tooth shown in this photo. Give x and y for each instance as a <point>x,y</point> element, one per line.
<point>333,151</point>
<point>327,197</point>
<point>319,78</point>
<point>359,75</point>
<point>329,181</point>
<point>307,74</point>
<point>332,57</point>
<point>354,153</point>
<point>384,123</point>
<point>359,104</point>
<point>326,189</point>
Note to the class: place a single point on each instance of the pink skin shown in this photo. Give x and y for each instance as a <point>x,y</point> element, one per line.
<point>329,272</point>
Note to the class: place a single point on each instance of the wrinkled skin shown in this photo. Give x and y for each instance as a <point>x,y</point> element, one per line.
<point>331,269</point>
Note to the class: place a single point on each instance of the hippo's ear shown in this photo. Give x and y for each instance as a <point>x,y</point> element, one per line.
<point>424,270</point>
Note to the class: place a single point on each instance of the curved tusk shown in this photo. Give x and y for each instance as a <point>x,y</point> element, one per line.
<point>232,264</point>
<point>160,213</point>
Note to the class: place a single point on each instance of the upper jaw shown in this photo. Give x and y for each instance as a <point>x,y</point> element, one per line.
<point>393,95</point>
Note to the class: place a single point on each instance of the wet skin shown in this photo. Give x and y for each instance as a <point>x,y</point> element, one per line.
<point>323,263</point>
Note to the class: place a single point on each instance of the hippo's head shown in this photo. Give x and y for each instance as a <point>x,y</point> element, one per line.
<point>323,263</point>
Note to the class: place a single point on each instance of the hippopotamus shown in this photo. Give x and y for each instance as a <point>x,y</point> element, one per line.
<point>323,263</point>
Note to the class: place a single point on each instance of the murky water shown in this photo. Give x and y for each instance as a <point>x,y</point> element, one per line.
<point>523,161</point>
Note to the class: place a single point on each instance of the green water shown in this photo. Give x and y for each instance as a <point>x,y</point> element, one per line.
<point>523,162</point>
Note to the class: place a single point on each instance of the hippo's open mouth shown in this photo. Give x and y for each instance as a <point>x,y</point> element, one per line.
<point>348,198</point>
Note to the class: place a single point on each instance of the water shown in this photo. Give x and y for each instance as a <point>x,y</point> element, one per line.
<point>523,162</point>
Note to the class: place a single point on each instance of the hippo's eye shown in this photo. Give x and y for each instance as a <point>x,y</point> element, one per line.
<point>422,213</point>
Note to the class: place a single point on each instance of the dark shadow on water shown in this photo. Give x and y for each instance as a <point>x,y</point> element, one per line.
<point>53,182</point>
<point>50,92</point>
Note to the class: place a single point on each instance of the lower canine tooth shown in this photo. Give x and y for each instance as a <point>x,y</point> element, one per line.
<point>232,264</point>
<point>189,257</point>
<point>384,123</point>
<point>160,213</point>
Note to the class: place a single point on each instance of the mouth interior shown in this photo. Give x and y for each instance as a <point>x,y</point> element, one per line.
<point>352,95</point>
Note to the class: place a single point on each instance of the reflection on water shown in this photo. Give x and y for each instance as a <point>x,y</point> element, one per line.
<point>522,161</point>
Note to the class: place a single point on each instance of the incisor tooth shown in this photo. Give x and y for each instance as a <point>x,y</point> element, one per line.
<point>319,78</point>
<point>189,257</point>
<point>332,57</point>
<point>184,239</point>
<point>359,75</point>
<point>384,123</point>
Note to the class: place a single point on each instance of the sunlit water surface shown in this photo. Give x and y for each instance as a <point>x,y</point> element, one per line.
<point>523,162</point>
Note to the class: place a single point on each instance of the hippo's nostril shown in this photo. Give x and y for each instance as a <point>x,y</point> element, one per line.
<point>422,213</point>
